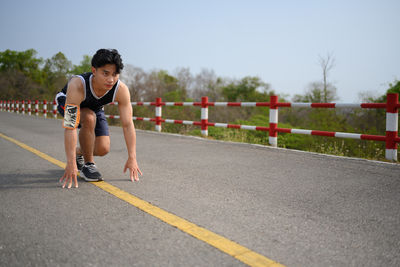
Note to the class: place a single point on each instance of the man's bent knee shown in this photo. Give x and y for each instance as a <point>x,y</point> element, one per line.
<point>102,146</point>
<point>101,151</point>
<point>88,118</point>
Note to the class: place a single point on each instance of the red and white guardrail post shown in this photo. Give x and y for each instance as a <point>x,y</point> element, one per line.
<point>29,108</point>
<point>55,109</point>
<point>45,108</point>
<point>391,126</point>
<point>37,107</point>
<point>204,116</point>
<point>23,107</point>
<point>273,121</point>
<point>158,114</point>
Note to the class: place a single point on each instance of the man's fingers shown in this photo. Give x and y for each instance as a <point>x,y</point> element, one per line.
<point>76,181</point>
<point>65,182</point>
<point>134,175</point>
<point>62,178</point>
<point>66,179</point>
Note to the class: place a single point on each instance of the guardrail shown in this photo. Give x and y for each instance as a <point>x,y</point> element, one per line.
<point>19,107</point>
<point>391,138</point>
<point>391,107</point>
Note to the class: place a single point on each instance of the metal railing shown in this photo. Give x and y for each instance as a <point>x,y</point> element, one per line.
<point>391,138</point>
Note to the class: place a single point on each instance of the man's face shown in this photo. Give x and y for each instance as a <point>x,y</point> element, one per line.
<point>106,76</point>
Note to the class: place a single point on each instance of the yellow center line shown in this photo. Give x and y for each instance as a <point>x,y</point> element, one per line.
<point>229,247</point>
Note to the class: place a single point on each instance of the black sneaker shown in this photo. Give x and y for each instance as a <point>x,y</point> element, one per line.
<point>79,162</point>
<point>90,173</point>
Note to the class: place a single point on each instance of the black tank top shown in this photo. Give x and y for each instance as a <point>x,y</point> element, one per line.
<point>91,100</point>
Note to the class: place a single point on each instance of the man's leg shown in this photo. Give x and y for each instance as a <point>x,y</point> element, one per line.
<point>88,141</point>
<point>102,142</point>
<point>90,144</point>
<point>101,146</point>
<point>87,135</point>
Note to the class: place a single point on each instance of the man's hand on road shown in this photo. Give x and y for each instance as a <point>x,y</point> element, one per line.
<point>70,175</point>
<point>134,170</point>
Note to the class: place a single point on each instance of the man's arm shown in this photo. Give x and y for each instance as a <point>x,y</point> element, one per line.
<point>75,95</point>
<point>125,110</point>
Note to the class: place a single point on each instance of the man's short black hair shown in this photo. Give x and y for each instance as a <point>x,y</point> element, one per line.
<point>107,56</point>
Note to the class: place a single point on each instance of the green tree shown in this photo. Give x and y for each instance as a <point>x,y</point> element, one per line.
<point>373,120</point>
<point>84,66</point>
<point>58,64</point>
<point>20,74</point>
<point>393,88</point>
<point>24,61</point>
<point>56,69</point>
<point>247,89</point>
<point>169,88</point>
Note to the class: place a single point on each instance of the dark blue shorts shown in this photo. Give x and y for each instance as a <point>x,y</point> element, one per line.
<point>101,128</point>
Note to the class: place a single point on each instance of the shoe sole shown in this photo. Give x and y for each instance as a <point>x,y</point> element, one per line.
<point>82,175</point>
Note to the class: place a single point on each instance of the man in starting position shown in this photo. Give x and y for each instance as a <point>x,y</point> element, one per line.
<point>81,103</point>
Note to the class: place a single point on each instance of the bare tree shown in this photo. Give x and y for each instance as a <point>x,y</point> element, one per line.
<point>136,80</point>
<point>318,91</point>
<point>326,63</point>
<point>185,80</point>
<point>207,83</point>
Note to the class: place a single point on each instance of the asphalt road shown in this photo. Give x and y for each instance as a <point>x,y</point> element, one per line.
<point>296,208</point>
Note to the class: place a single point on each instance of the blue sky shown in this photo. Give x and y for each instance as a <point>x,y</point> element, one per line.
<point>279,41</point>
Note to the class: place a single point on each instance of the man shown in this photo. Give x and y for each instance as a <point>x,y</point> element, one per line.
<point>81,103</point>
